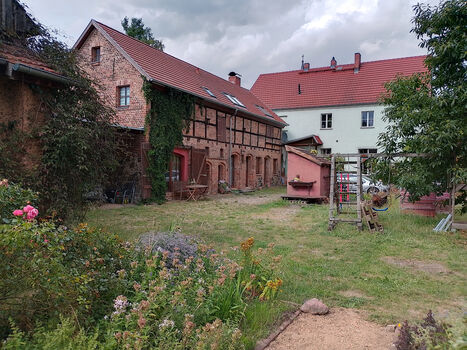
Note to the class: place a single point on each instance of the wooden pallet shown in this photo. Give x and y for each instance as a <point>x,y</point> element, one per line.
<point>371,218</point>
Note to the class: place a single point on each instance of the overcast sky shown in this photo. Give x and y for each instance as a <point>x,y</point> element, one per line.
<point>251,37</point>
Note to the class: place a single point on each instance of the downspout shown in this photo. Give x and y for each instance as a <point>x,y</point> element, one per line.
<point>230,147</point>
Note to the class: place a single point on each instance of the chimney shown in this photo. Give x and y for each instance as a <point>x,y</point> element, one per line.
<point>306,67</point>
<point>333,62</point>
<point>358,60</point>
<point>234,78</point>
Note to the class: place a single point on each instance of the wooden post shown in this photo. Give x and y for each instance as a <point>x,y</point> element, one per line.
<point>331,193</point>
<point>359,193</point>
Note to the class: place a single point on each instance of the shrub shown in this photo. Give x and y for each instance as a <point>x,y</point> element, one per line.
<point>12,197</point>
<point>49,270</point>
<point>430,334</point>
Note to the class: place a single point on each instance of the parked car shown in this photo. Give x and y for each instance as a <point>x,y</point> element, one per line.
<point>368,185</point>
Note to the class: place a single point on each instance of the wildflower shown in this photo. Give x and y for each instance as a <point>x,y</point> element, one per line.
<point>4,183</point>
<point>134,264</point>
<point>121,273</point>
<point>200,293</point>
<point>246,245</point>
<point>236,335</point>
<point>18,212</point>
<point>118,335</point>
<point>166,324</point>
<point>144,305</point>
<point>141,322</point>
<point>252,276</point>
<point>136,286</point>
<point>120,305</point>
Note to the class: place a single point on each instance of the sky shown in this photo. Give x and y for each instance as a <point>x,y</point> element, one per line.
<point>251,37</point>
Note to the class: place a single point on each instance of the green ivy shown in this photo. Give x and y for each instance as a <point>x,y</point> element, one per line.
<point>170,113</point>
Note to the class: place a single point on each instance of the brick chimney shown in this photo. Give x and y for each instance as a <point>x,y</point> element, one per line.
<point>333,62</point>
<point>234,78</point>
<point>306,67</point>
<point>357,62</point>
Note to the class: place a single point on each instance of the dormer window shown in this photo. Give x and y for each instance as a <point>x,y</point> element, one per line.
<point>96,54</point>
<point>234,100</point>
<point>264,110</point>
<point>210,93</point>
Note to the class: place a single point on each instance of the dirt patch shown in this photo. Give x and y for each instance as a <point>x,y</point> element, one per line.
<point>250,199</point>
<point>352,293</point>
<point>429,267</point>
<point>340,329</point>
<point>286,214</point>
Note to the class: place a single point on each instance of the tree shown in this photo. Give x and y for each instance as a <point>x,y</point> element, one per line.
<point>138,31</point>
<point>426,112</point>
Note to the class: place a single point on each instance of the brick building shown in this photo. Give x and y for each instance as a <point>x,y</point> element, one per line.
<point>21,74</point>
<point>233,136</point>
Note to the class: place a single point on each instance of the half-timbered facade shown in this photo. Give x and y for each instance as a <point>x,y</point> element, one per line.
<point>233,136</point>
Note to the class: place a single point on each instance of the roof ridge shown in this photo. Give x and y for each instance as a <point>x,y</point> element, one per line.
<point>168,54</point>
<point>340,65</point>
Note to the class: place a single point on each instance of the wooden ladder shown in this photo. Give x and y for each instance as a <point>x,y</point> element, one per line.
<point>371,218</point>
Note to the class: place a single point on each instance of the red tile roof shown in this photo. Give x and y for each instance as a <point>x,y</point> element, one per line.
<point>333,87</point>
<point>169,70</point>
<point>17,54</point>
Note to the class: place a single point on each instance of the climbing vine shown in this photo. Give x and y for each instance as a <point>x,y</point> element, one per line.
<point>169,115</point>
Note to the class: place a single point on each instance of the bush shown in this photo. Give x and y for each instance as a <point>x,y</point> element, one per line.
<point>430,334</point>
<point>48,270</point>
<point>160,299</point>
<point>12,197</point>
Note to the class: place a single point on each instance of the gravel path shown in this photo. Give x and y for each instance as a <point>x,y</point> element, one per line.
<point>341,329</point>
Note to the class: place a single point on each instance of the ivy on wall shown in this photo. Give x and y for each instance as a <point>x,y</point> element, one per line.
<point>170,114</point>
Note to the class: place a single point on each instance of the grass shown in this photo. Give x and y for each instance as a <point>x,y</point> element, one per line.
<point>344,267</point>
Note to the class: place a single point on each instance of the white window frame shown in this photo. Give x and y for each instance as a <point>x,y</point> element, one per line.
<point>366,117</point>
<point>327,121</point>
<point>126,97</point>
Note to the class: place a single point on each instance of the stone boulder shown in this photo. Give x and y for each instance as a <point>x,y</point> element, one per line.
<point>315,307</point>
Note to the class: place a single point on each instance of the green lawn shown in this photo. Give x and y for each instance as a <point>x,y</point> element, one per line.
<point>393,276</point>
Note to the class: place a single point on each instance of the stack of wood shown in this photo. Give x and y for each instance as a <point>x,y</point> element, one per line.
<point>371,217</point>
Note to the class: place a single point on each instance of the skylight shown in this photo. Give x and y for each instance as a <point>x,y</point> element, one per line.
<point>264,110</point>
<point>209,92</point>
<point>234,100</point>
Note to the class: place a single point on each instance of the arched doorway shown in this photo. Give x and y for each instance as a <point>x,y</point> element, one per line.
<point>249,171</point>
<point>235,170</point>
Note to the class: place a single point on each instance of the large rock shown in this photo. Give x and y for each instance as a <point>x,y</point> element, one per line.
<point>315,307</point>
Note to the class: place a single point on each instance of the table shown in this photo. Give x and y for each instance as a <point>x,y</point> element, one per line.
<point>196,191</point>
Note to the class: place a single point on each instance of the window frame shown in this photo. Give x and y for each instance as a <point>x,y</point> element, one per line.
<point>234,100</point>
<point>365,116</point>
<point>126,96</point>
<point>327,120</point>
<point>209,92</point>
<point>96,54</point>
<point>325,153</point>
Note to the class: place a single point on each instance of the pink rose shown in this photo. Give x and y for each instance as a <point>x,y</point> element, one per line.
<point>28,208</point>
<point>31,214</point>
<point>18,212</point>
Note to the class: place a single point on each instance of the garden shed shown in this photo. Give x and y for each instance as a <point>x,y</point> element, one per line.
<point>308,176</point>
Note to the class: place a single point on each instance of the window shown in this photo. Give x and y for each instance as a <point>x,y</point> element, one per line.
<point>96,54</point>
<point>124,96</point>
<point>367,150</point>
<point>326,121</point>
<point>221,129</point>
<point>234,100</point>
<point>264,110</point>
<point>269,131</point>
<point>325,151</point>
<point>367,119</point>
<point>209,92</point>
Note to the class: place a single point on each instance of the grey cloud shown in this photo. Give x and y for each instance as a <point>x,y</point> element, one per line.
<point>256,36</point>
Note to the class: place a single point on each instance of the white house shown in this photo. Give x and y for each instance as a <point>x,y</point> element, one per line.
<point>339,103</point>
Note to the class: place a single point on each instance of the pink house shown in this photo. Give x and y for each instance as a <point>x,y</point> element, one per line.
<point>308,176</point>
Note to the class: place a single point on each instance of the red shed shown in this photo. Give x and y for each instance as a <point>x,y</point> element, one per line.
<point>307,175</point>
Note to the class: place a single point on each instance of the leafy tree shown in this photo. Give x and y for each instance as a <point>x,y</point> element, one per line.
<point>426,112</point>
<point>138,31</point>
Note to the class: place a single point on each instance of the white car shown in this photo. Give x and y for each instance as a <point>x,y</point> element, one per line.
<point>368,185</point>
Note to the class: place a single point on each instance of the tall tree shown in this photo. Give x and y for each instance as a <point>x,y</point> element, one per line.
<point>138,31</point>
<point>427,112</point>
